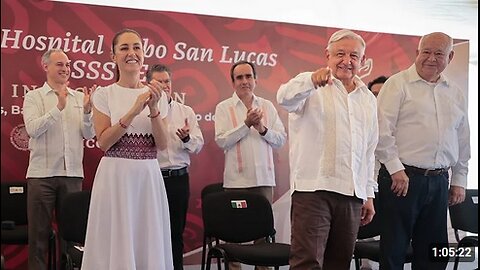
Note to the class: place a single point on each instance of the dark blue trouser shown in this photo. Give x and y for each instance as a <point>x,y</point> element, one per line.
<point>178,193</point>
<point>421,217</point>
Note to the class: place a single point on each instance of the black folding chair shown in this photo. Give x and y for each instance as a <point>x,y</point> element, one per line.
<point>72,227</point>
<point>239,217</point>
<point>14,219</point>
<point>464,217</point>
<point>207,241</point>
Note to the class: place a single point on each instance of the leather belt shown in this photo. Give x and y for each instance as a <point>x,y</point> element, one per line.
<point>425,172</point>
<point>174,172</point>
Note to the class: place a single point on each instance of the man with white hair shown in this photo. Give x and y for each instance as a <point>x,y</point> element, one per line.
<point>333,134</point>
<point>424,132</point>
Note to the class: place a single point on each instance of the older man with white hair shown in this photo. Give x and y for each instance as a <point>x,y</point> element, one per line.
<point>424,132</point>
<point>333,135</point>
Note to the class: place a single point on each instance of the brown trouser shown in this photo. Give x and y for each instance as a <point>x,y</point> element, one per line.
<point>324,229</point>
<point>43,196</point>
<point>267,192</point>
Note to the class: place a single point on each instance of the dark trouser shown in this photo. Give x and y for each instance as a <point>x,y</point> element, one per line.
<point>324,229</point>
<point>43,196</point>
<point>178,193</point>
<point>420,216</point>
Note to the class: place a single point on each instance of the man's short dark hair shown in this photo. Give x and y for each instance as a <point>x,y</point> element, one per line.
<point>242,63</point>
<point>381,79</point>
<point>157,68</point>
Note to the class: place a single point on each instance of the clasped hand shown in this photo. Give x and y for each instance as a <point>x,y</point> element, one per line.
<point>87,98</point>
<point>255,119</point>
<point>150,98</point>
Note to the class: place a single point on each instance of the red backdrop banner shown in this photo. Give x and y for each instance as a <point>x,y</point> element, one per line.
<point>199,49</point>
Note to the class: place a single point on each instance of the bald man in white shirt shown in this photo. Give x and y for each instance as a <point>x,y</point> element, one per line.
<point>333,133</point>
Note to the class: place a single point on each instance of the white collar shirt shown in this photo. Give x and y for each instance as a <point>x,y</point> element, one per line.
<point>248,155</point>
<point>56,137</point>
<point>177,154</point>
<point>423,124</point>
<point>333,135</point>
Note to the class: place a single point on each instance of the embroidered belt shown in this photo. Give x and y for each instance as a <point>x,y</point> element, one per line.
<point>134,146</point>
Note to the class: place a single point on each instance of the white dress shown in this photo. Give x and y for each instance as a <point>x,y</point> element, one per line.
<point>128,222</point>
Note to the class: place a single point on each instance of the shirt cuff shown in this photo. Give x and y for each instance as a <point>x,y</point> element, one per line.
<point>394,166</point>
<point>370,192</point>
<point>459,180</point>
<point>308,79</point>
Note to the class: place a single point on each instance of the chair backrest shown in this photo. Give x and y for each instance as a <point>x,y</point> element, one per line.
<point>212,188</point>
<point>373,228</point>
<point>464,216</point>
<point>14,202</point>
<point>74,215</point>
<point>237,216</point>
<point>208,240</point>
